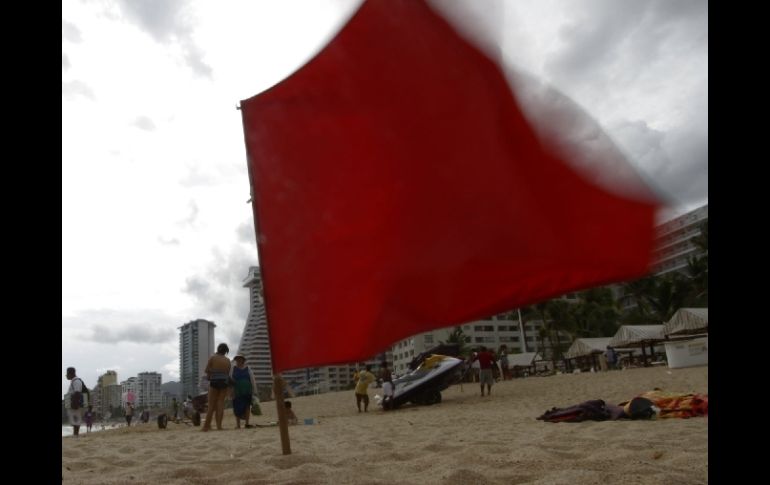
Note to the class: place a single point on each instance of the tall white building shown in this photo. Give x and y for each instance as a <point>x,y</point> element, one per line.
<point>196,345</point>
<point>148,393</point>
<point>255,344</point>
<point>129,385</point>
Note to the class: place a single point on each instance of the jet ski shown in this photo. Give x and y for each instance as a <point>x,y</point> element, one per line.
<point>424,384</point>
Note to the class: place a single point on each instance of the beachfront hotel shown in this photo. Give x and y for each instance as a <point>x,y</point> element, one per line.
<point>674,241</point>
<point>196,345</point>
<point>674,247</point>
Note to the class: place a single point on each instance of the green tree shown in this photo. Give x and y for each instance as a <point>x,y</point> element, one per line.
<point>596,313</point>
<point>561,322</point>
<point>658,297</point>
<point>457,336</point>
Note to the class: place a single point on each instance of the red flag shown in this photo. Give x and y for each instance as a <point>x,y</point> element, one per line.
<point>399,188</point>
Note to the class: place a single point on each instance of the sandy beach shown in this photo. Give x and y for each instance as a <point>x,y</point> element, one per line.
<point>466,439</point>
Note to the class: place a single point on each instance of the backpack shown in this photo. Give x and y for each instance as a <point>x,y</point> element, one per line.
<point>82,395</point>
<point>85,389</point>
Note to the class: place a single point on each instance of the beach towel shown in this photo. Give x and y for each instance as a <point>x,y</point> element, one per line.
<point>677,404</point>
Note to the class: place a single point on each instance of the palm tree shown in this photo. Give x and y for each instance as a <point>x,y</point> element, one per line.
<point>561,321</point>
<point>658,297</point>
<point>596,314</point>
<point>457,336</point>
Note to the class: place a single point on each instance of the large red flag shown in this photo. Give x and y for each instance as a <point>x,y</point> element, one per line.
<point>399,188</point>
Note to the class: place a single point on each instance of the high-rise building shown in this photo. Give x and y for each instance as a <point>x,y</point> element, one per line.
<point>111,398</point>
<point>109,378</point>
<point>674,241</point>
<point>196,345</point>
<point>148,393</point>
<point>254,344</point>
<point>101,397</point>
<point>126,387</point>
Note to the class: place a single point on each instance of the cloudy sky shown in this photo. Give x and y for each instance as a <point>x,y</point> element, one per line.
<point>156,228</point>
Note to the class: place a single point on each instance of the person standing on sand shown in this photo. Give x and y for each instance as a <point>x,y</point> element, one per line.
<point>388,389</point>
<point>73,401</point>
<point>504,365</point>
<point>217,370</point>
<point>88,417</point>
<point>365,377</point>
<point>129,413</point>
<point>244,389</point>
<point>486,360</point>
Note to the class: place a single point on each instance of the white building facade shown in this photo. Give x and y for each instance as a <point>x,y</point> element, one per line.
<point>196,345</point>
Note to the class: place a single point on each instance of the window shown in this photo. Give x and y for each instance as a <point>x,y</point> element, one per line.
<point>477,328</point>
<point>429,339</point>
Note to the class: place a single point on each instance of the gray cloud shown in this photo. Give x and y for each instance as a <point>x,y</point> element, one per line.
<point>167,21</point>
<point>219,292</point>
<point>195,177</point>
<point>141,332</point>
<point>73,89</point>
<point>656,52</point>
<point>193,57</point>
<point>70,32</point>
<point>147,326</point>
<point>609,39</point>
<point>246,234</point>
<point>144,123</point>
<point>190,220</point>
<point>168,241</point>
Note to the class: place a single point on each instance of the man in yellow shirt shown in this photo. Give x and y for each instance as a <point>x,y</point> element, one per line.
<point>365,377</point>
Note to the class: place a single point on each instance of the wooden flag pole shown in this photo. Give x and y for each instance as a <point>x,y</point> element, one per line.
<point>283,425</point>
<point>278,383</point>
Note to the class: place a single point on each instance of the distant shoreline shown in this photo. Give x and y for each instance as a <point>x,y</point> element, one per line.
<point>66,429</point>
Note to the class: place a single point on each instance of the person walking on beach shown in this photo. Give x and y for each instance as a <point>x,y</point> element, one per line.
<point>74,400</point>
<point>217,370</point>
<point>504,365</point>
<point>365,377</point>
<point>188,407</point>
<point>486,360</point>
<point>244,388</point>
<point>612,357</point>
<point>129,413</point>
<point>175,409</point>
<point>388,389</point>
<point>88,417</point>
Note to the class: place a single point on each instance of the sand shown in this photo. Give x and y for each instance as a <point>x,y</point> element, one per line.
<point>466,439</point>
